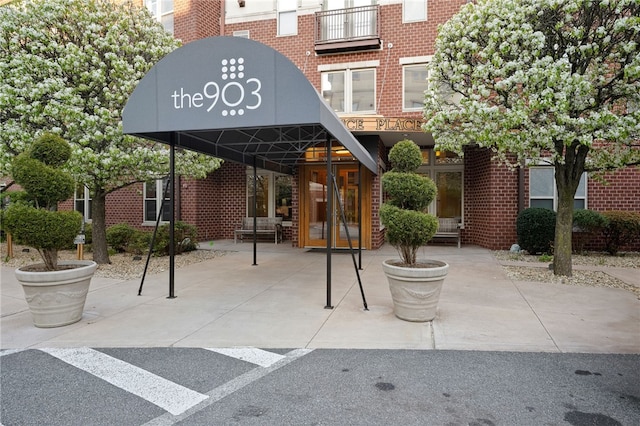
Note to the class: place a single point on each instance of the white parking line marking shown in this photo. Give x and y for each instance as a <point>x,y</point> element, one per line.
<point>253,355</point>
<point>229,388</point>
<point>174,398</point>
<point>9,352</point>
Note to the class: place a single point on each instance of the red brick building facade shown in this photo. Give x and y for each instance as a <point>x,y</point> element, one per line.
<point>391,37</point>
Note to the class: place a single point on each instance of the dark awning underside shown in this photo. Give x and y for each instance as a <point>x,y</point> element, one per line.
<point>238,100</point>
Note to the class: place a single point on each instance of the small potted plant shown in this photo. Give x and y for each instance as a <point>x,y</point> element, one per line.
<point>55,291</point>
<point>415,284</point>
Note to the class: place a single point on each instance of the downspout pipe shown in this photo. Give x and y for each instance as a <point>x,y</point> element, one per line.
<point>521,186</point>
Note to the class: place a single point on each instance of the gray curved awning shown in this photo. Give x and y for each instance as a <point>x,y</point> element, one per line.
<point>238,100</point>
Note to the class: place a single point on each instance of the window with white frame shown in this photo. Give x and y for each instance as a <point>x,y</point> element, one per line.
<point>414,10</point>
<point>351,90</point>
<point>272,194</point>
<point>162,10</point>
<point>153,201</point>
<point>82,202</point>
<point>414,83</point>
<point>287,17</point>
<point>543,192</point>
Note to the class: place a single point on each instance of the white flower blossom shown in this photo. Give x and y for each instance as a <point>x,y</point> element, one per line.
<point>554,80</point>
<point>69,66</point>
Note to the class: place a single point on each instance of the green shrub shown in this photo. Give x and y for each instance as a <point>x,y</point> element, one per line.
<point>536,228</point>
<point>15,196</point>
<point>44,185</point>
<point>35,222</point>
<point>184,238</point>
<point>407,225</point>
<point>623,228</point>
<point>409,190</point>
<point>27,225</point>
<point>120,236</point>
<point>140,243</point>
<point>51,149</point>
<point>587,224</point>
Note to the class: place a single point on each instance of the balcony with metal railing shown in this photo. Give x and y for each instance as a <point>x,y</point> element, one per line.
<point>344,30</point>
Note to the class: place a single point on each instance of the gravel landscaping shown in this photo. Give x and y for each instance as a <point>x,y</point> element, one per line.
<point>538,269</point>
<point>124,266</point>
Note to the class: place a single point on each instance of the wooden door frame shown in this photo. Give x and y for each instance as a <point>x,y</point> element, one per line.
<point>303,185</point>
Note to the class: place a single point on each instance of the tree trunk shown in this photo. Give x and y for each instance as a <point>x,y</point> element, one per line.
<point>99,228</point>
<point>50,258</point>
<point>568,175</point>
<point>562,248</point>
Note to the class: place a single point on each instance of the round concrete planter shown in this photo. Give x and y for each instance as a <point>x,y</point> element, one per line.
<point>57,298</point>
<point>415,291</point>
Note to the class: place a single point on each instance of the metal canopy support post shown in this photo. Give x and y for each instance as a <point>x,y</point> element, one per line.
<point>172,216</point>
<point>359,216</point>
<point>346,230</point>
<point>255,213</point>
<point>329,216</point>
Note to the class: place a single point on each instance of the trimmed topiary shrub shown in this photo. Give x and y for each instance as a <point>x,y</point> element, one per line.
<point>35,221</point>
<point>586,225</point>
<point>623,228</point>
<point>184,238</point>
<point>407,224</point>
<point>536,229</point>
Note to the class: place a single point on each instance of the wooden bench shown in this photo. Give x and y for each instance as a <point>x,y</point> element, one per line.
<point>265,226</point>
<point>448,228</point>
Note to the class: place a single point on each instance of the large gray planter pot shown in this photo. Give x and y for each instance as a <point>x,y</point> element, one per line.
<point>57,298</point>
<point>415,291</point>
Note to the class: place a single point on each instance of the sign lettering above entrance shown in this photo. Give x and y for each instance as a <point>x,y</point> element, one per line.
<point>235,93</point>
<point>369,124</point>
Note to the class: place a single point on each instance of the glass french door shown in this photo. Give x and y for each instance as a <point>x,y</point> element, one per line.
<point>449,199</point>
<point>314,224</point>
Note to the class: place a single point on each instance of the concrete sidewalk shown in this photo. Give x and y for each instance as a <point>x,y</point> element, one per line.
<point>280,303</point>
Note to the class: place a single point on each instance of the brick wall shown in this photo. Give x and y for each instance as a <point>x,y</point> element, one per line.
<point>229,200</point>
<point>196,19</point>
<point>620,192</point>
<point>490,201</point>
<point>377,234</point>
<point>126,206</point>
<point>200,206</point>
<point>414,39</point>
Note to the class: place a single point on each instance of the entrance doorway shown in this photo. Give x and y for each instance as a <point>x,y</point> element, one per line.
<point>314,196</point>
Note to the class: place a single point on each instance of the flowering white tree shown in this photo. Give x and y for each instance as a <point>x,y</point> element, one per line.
<point>68,67</point>
<point>541,80</point>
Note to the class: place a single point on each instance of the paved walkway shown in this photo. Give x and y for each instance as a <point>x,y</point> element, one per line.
<point>280,303</point>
